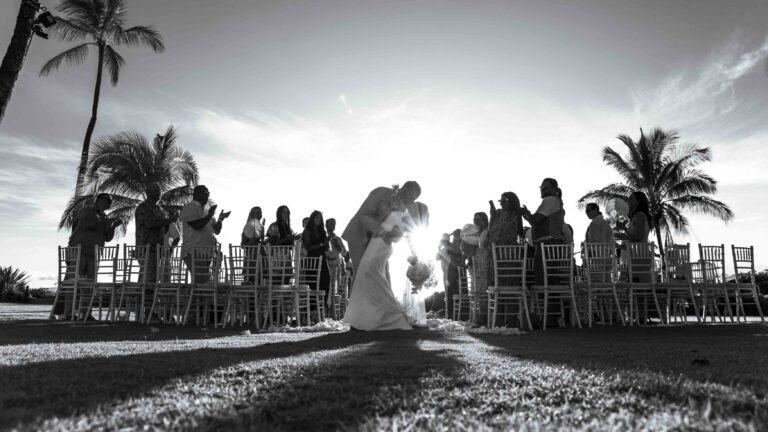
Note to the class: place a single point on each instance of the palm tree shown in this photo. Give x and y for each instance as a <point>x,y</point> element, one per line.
<point>124,164</point>
<point>100,23</point>
<point>667,172</point>
<point>17,50</point>
<point>10,280</point>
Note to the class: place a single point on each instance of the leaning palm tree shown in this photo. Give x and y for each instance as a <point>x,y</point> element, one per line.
<point>100,23</point>
<point>667,172</point>
<point>14,56</point>
<point>124,164</point>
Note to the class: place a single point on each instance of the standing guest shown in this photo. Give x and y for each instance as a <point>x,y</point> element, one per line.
<point>546,223</point>
<point>481,220</point>
<point>279,232</point>
<point>304,223</point>
<point>337,255</point>
<point>253,231</point>
<point>92,228</point>
<point>172,236</point>
<point>152,222</point>
<point>376,207</point>
<point>252,235</point>
<point>449,254</point>
<point>506,225</point>
<point>199,230</point>
<point>599,230</point>
<point>315,240</point>
<point>639,219</point>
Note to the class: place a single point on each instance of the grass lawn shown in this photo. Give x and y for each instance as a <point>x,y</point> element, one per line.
<point>65,376</point>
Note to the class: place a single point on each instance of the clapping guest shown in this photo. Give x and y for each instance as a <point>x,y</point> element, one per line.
<point>92,228</point>
<point>547,223</point>
<point>315,240</point>
<point>279,232</point>
<point>506,225</point>
<point>200,230</point>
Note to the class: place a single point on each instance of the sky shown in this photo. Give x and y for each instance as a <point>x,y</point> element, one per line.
<point>312,104</point>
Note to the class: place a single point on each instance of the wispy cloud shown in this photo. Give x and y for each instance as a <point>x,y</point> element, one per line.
<point>345,102</point>
<point>693,97</point>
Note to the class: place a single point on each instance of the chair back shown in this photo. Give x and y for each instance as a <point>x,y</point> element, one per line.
<point>106,263</point>
<point>205,265</point>
<point>640,262</point>
<point>479,275</point>
<point>599,263</point>
<point>509,265</point>
<point>678,261</point>
<point>465,281</point>
<point>744,261</point>
<point>170,267</point>
<point>712,260</point>
<point>135,258</point>
<point>309,271</point>
<point>281,265</point>
<point>245,265</point>
<point>69,264</point>
<point>557,261</point>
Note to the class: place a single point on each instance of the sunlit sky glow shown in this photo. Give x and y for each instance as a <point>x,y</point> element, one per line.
<point>313,104</point>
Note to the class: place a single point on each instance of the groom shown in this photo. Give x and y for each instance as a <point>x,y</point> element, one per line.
<point>367,221</point>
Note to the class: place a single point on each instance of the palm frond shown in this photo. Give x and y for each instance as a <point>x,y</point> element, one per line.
<point>113,62</point>
<point>602,196</point>
<point>84,13</point>
<point>705,205</point>
<point>613,159</point>
<point>73,56</point>
<point>73,209</point>
<point>694,183</point>
<point>69,31</point>
<point>140,36</point>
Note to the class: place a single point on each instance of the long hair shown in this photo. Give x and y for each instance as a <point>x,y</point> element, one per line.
<point>283,225</point>
<point>252,213</point>
<point>642,206</point>
<point>320,230</point>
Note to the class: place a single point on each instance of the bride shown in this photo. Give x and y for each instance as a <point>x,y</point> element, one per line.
<point>372,304</point>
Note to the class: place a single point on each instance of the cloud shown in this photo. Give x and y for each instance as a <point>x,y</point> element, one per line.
<point>691,98</point>
<point>343,99</point>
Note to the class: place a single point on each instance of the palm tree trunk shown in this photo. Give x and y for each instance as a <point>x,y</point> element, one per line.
<point>17,51</point>
<point>91,124</point>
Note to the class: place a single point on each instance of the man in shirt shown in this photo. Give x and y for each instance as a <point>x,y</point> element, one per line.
<point>199,230</point>
<point>152,222</point>
<point>547,223</point>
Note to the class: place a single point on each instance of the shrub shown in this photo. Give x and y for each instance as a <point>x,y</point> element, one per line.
<point>13,284</point>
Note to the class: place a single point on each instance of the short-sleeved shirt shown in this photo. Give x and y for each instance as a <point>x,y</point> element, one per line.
<point>599,231</point>
<point>151,223</point>
<point>205,236</point>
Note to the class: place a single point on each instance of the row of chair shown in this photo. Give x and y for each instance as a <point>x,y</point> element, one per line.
<point>253,285</point>
<point>625,284</point>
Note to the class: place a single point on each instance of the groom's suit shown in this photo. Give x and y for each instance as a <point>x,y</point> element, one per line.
<point>367,222</point>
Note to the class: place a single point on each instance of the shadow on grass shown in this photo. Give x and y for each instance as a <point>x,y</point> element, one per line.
<point>708,364</point>
<point>68,387</point>
<point>382,380</point>
<point>325,394</point>
<point>45,331</point>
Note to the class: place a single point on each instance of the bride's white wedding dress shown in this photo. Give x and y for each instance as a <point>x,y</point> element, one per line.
<point>372,305</point>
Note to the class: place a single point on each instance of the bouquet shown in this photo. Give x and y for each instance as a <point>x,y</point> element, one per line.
<point>420,274</point>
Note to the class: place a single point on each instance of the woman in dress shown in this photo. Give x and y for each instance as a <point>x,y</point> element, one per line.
<point>315,241</point>
<point>252,235</point>
<point>279,232</point>
<point>372,305</point>
<point>637,231</point>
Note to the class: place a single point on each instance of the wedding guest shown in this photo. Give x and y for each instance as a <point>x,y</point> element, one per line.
<point>337,255</point>
<point>279,232</point>
<point>315,240</point>
<point>449,255</point>
<point>483,247</point>
<point>200,230</point>
<point>599,230</point>
<point>252,235</point>
<point>304,223</point>
<point>547,224</point>
<point>639,219</point>
<point>152,222</point>
<point>506,224</point>
<point>172,236</point>
<point>92,228</point>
